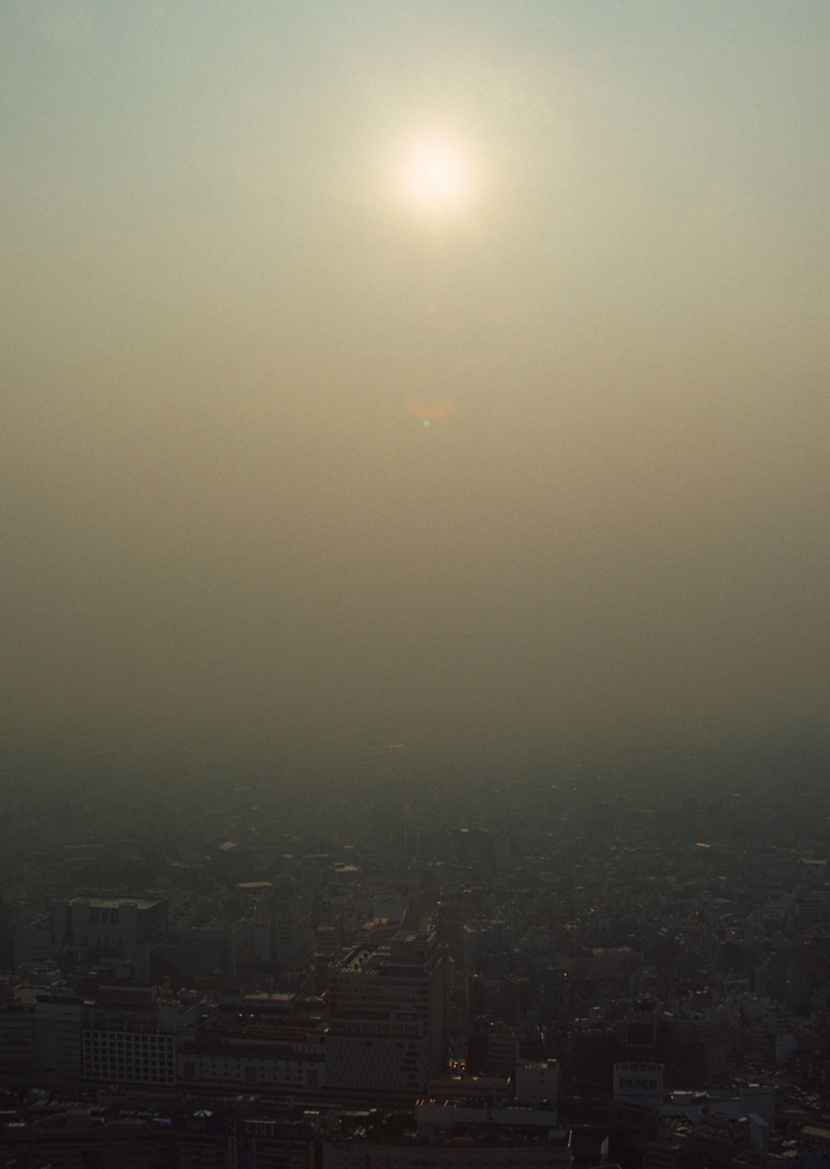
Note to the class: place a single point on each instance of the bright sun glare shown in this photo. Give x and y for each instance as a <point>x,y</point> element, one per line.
<point>435,173</point>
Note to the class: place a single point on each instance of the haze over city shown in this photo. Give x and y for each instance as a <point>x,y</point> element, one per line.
<point>445,375</point>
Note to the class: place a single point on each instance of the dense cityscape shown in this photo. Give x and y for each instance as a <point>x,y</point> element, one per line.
<point>567,965</point>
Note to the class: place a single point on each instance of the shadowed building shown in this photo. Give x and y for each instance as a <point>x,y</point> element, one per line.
<point>388,1016</point>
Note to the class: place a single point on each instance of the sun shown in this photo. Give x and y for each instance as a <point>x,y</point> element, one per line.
<point>435,173</point>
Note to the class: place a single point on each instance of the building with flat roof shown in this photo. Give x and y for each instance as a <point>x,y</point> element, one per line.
<point>388,1015</point>
<point>109,929</point>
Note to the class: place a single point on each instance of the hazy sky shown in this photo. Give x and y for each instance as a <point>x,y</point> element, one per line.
<point>235,290</point>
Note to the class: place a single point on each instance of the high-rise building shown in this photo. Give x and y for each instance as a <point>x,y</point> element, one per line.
<point>388,1016</point>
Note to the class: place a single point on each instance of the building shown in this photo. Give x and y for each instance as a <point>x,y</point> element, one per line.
<point>388,1016</point>
<point>113,930</point>
<point>128,1049</point>
<point>265,1058</point>
<point>452,1135</point>
<point>57,1039</point>
<point>537,1082</point>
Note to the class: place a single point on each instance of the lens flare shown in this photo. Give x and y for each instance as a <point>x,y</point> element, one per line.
<point>429,411</point>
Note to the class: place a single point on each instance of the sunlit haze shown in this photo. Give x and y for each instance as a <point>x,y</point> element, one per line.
<point>436,173</point>
<point>444,375</point>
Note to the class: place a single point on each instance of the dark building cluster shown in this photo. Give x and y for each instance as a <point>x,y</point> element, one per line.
<point>570,969</point>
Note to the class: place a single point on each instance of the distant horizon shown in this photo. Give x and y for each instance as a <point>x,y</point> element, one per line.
<point>804,753</point>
